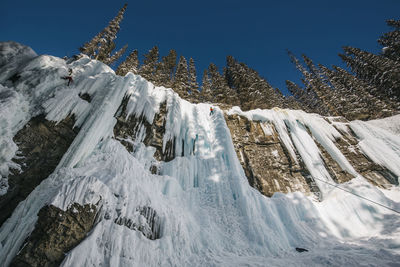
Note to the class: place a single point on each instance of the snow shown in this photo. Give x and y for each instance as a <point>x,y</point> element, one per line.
<point>294,128</point>
<point>379,145</point>
<point>13,56</point>
<point>208,213</point>
<point>390,124</point>
<point>13,116</point>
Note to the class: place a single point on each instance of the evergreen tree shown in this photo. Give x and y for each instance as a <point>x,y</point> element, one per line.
<point>193,84</point>
<point>251,89</point>
<point>147,70</point>
<point>115,56</point>
<point>102,45</point>
<point>391,41</point>
<point>353,98</point>
<point>380,71</point>
<point>205,94</point>
<point>181,82</point>
<point>131,64</point>
<point>304,98</point>
<point>315,86</point>
<point>165,69</point>
<point>217,83</point>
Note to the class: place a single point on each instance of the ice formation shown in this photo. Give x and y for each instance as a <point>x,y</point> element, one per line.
<point>209,215</point>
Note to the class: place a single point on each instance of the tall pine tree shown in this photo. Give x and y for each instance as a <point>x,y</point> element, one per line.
<point>102,45</point>
<point>181,82</point>
<point>165,69</point>
<point>193,84</point>
<point>391,41</point>
<point>205,94</point>
<point>147,70</point>
<point>380,71</point>
<point>131,64</point>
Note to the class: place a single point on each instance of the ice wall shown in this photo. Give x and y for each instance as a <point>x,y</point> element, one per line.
<point>209,214</point>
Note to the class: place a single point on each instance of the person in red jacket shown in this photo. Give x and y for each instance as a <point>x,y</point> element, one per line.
<point>211,111</point>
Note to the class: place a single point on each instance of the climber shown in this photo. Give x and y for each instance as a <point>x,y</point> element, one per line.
<point>69,77</point>
<point>211,111</point>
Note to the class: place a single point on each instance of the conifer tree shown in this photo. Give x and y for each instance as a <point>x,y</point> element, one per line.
<point>181,82</point>
<point>217,83</point>
<point>290,102</point>
<point>315,86</point>
<point>251,89</point>
<point>205,94</point>
<point>193,84</point>
<point>380,71</point>
<point>305,98</point>
<point>391,41</point>
<point>147,70</point>
<point>131,64</point>
<point>102,45</point>
<point>165,69</point>
<point>115,56</point>
<point>353,98</point>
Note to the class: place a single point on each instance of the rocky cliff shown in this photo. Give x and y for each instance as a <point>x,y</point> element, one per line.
<point>270,168</point>
<point>114,171</point>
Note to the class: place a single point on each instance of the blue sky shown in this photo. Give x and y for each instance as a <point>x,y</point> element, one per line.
<point>255,32</point>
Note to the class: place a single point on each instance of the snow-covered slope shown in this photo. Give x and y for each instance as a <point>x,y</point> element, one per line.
<point>207,213</point>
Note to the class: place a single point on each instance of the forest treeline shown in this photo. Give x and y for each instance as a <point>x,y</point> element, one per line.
<point>369,88</point>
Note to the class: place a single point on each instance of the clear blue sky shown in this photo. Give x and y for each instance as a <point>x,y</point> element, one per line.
<point>255,32</point>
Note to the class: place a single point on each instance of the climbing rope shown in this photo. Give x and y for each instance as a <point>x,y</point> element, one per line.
<point>357,195</point>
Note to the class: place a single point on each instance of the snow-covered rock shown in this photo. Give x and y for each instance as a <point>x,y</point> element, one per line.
<point>197,209</point>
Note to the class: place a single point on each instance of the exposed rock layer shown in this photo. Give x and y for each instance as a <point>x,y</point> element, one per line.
<point>374,173</point>
<point>56,232</point>
<point>128,131</point>
<point>270,168</point>
<point>265,160</point>
<point>41,145</point>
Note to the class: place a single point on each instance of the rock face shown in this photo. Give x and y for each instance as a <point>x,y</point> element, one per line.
<point>56,232</point>
<point>41,145</point>
<point>265,160</point>
<point>270,168</point>
<point>348,145</point>
<point>135,129</point>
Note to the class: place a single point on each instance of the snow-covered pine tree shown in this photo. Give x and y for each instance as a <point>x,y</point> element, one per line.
<point>234,75</point>
<point>300,96</point>
<point>193,84</point>
<point>181,82</point>
<point>102,45</point>
<point>320,84</point>
<point>356,101</point>
<point>131,64</point>
<point>165,69</point>
<point>315,85</point>
<point>220,89</point>
<point>280,98</point>
<point>234,72</point>
<point>290,102</point>
<point>115,56</point>
<point>391,41</point>
<point>345,99</point>
<point>147,70</point>
<point>90,48</point>
<point>380,71</point>
<point>205,94</point>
